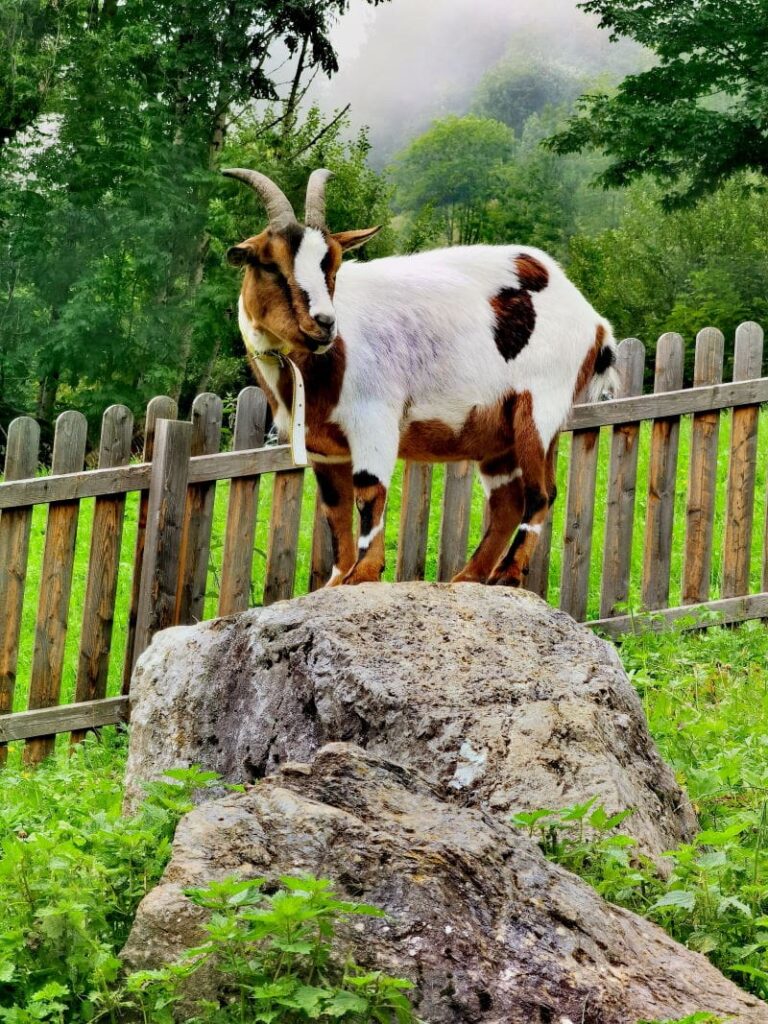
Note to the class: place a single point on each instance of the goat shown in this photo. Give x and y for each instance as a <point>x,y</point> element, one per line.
<point>474,352</point>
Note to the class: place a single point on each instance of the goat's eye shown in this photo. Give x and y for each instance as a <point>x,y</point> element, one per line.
<point>270,268</point>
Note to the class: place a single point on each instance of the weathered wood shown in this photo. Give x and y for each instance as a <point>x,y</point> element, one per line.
<point>159,408</point>
<point>20,461</point>
<point>737,546</point>
<point>250,425</point>
<point>538,574</point>
<point>723,613</point>
<point>207,412</point>
<point>56,581</point>
<point>579,522</point>
<point>103,563</point>
<point>414,521</point>
<point>321,563</point>
<point>76,717</point>
<point>702,477</point>
<point>678,402</point>
<point>165,521</point>
<point>283,536</point>
<point>622,484</point>
<point>73,486</point>
<point>454,523</point>
<point>662,474</point>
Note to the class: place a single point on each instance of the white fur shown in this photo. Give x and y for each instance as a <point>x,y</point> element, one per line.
<point>490,483</point>
<point>309,274</point>
<point>530,527</point>
<point>365,542</point>
<point>419,334</point>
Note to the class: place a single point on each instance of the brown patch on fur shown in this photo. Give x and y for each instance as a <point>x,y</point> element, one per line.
<point>531,273</point>
<point>515,321</point>
<point>487,432</point>
<point>587,369</point>
<point>513,307</point>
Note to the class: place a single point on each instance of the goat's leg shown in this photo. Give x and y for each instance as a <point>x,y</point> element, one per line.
<point>334,481</point>
<point>374,453</point>
<point>540,493</point>
<point>502,484</point>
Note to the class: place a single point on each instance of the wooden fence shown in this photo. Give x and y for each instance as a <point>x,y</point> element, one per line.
<point>182,462</point>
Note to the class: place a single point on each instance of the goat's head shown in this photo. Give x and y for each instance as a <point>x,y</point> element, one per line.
<point>290,268</point>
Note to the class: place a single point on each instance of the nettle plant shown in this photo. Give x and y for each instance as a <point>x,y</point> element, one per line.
<point>273,948</point>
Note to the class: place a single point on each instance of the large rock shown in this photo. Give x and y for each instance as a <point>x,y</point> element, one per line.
<point>498,699</point>
<point>487,928</point>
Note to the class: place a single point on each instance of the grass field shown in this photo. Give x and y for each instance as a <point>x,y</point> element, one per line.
<point>393,517</point>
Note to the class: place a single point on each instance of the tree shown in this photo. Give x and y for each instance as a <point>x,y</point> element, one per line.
<point>516,88</point>
<point>700,115</point>
<point>109,177</point>
<point>454,168</point>
<point>680,270</point>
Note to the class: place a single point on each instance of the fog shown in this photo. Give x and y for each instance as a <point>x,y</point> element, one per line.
<point>408,61</point>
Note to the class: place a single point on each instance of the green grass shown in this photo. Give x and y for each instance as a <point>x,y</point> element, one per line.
<point>393,518</point>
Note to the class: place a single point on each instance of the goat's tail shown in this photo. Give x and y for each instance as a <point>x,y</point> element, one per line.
<point>605,382</point>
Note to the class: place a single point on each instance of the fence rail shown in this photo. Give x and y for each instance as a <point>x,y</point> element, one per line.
<point>182,463</point>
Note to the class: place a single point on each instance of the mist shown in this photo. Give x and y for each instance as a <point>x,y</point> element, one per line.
<point>409,61</point>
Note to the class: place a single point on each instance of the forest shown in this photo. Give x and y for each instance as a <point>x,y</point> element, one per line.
<point>114,119</point>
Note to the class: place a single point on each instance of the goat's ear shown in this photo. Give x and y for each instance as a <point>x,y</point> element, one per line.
<point>238,255</point>
<point>354,239</point>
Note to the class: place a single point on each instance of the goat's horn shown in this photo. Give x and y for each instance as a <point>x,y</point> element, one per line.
<point>278,207</point>
<point>314,208</point>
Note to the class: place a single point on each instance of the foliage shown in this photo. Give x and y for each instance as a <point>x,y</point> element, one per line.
<point>72,871</point>
<point>109,199</point>
<point>274,950</point>
<point>695,118</point>
<point>678,271</point>
<point>454,168</point>
<point>514,89</point>
<point>706,697</point>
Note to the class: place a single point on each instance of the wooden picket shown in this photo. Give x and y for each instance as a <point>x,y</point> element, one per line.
<point>56,580</point>
<point>702,479</point>
<point>182,463</point>
<point>622,483</point>
<point>103,563</point>
<point>747,364</point>
<point>20,462</point>
<point>662,478</point>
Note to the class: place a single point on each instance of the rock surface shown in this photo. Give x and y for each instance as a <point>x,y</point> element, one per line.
<point>487,928</point>
<point>498,699</point>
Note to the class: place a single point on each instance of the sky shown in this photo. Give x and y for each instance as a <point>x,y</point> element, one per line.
<point>408,61</point>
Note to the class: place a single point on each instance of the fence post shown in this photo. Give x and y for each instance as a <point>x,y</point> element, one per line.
<point>207,414</point>
<point>160,407</point>
<point>414,521</point>
<point>15,523</point>
<point>622,484</point>
<point>538,570</point>
<point>747,363</point>
<point>56,581</point>
<point>250,425</point>
<point>454,524</point>
<point>702,478</point>
<point>579,520</point>
<point>283,535</point>
<point>661,478</point>
<point>103,562</point>
<point>165,522</point>
<point>321,564</point>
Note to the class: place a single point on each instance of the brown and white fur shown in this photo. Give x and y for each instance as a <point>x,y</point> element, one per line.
<point>461,353</point>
